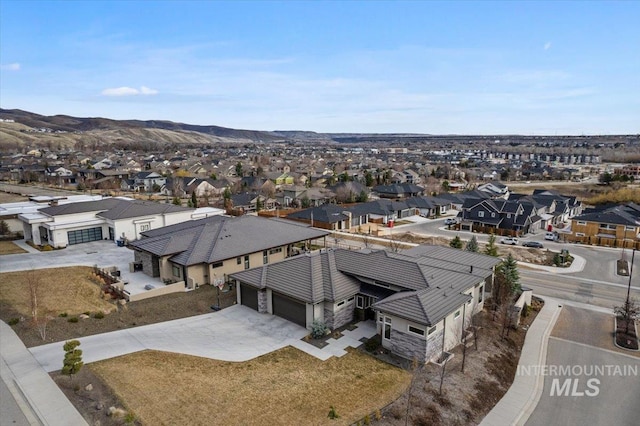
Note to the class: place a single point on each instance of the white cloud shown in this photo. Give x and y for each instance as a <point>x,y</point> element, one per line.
<point>144,90</point>
<point>547,45</point>
<point>128,91</point>
<point>10,67</point>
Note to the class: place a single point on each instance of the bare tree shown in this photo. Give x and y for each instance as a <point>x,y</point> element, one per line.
<point>39,318</point>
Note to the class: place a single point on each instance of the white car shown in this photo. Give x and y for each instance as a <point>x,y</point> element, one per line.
<point>450,221</point>
<point>551,236</point>
<point>509,240</point>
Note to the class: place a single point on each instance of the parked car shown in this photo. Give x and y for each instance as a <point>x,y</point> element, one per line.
<point>533,244</point>
<point>551,236</point>
<point>509,240</point>
<point>450,221</point>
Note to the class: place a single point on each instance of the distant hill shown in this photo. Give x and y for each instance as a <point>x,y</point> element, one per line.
<point>39,130</point>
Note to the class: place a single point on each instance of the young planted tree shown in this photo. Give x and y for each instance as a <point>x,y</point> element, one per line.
<point>472,245</point>
<point>491,249</point>
<point>194,200</point>
<point>39,319</point>
<point>629,312</point>
<point>506,286</point>
<point>456,242</point>
<point>72,358</point>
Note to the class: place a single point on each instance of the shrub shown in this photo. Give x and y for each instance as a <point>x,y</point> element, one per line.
<point>63,315</point>
<point>525,311</point>
<point>318,329</point>
<point>73,319</point>
<point>366,420</point>
<point>47,248</point>
<point>332,413</point>
<point>87,313</point>
<point>377,415</point>
<point>98,315</point>
<point>14,321</point>
<point>372,344</point>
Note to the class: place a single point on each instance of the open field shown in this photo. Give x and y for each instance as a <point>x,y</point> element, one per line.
<point>284,387</point>
<point>60,290</point>
<point>8,247</point>
<point>6,197</point>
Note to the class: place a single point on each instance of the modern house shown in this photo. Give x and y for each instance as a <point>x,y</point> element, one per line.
<point>106,219</point>
<point>206,251</point>
<point>421,299</point>
<point>613,226</point>
<point>498,216</point>
<point>397,191</point>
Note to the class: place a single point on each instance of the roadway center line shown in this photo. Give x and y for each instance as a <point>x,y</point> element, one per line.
<point>636,358</point>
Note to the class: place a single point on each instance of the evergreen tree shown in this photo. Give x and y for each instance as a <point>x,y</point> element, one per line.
<point>363,197</point>
<point>456,242</point>
<point>239,169</point>
<point>194,200</point>
<point>472,245</point>
<point>491,249</point>
<point>508,270</point>
<point>72,358</point>
<point>176,200</point>
<point>368,178</point>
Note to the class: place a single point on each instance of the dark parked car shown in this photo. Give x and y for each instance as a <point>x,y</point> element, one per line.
<point>534,244</point>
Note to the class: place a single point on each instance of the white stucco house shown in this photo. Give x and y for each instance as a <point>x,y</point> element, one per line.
<point>115,219</point>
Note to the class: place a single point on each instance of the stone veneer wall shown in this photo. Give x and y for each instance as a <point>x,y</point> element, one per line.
<point>434,345</point>
<point>147,261</point>
<point>262,301</point>
<point>336,319</point>
<point>408,346</point>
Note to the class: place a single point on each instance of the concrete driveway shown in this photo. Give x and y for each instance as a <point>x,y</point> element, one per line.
<point>602,386</point>
<point>236,333</point>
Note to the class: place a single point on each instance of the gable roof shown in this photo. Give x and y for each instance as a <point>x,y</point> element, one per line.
<point>624,214</point>
<point>218,238</point>
<point>114,208</point>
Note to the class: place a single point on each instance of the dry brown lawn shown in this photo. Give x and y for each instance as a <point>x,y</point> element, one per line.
<point>8,247</point>
<point>59,290</point>
<point>284,387</point>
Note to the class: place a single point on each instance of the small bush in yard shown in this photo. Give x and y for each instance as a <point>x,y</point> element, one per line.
<point>63,315</point>
<point>332,413</point>
<point>47,248</point>
<point>14,321</point>
<point>372,344</point>
<point>73,319</point>
<point>318,329</point>
<point>98,315</point>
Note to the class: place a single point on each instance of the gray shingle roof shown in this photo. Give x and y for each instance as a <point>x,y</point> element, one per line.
<point>311,278</point>
<point>219,237</point>
<point>114,208</point>
<point>426,307</point>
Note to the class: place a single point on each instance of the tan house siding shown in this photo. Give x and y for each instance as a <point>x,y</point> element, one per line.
<point>587,232</point>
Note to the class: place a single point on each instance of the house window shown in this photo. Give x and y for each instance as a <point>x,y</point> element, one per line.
<point>350,299</point>
<point>432,330</point>
<point>275,250</point>
<point>239,260</point>
<point>481,294</point>
<point>387,328</point>
<point>629,228</point>
<point>216,265</point>
<point>481,214</point>
<point>457,314</point>
<point>360,302</point>
<point>416,330</point>
<point>579,234</point>
<point>175,271</point>
<point>144,227</point>
<point>340,303</point>
<point>265,257</point>
<point>582,222</point>
<point>246,261</point>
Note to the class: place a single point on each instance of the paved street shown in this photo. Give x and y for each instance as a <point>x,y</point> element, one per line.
<point>580,340</point>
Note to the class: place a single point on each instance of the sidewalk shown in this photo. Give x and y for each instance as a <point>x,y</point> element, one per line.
<point>521,399</point>
<point>35,393</point>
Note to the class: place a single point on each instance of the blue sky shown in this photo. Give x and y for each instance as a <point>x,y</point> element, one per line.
<point>412,67</point>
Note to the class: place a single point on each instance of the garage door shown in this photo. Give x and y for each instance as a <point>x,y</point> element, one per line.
<point>249,296</point>
<point>85,235</point>
<point>290,309</point>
